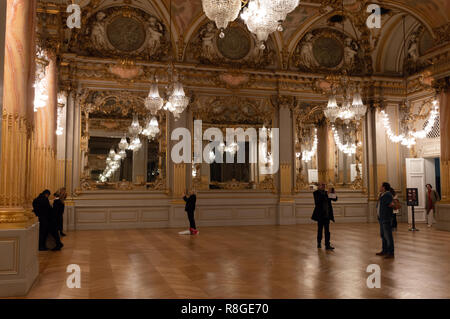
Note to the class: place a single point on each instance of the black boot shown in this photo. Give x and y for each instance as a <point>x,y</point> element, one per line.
<point>58,247</point>
<point>329,247</point>
<point>319,245</point>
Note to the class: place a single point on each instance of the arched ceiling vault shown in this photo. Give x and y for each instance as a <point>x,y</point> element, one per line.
<point>387,47</point>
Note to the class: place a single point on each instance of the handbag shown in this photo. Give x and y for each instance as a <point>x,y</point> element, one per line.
<point>397,205</point>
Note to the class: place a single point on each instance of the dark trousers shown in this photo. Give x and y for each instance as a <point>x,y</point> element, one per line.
<point>394,221</point>
<point>320,225</point>
<point>386,237</point>
<point>191,219</point>
<point>53,230</point>
<point>43,232</point>
<point>59,221</point>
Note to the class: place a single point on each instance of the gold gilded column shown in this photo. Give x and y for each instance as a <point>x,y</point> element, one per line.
<point>17,112</point>
<point>445,144</point>
<point>443,207</point>
<point>322,152</point>
<point>44,138</point>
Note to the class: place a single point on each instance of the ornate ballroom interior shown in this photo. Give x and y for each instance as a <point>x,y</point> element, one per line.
<point>93,108</point>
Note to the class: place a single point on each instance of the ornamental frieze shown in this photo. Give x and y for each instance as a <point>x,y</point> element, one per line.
<point>122,32</point>
<point>239,48</point>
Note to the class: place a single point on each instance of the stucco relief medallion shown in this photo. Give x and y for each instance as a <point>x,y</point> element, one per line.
<point>235,45</point>
<point>126,34</point>
<point>328,52</point>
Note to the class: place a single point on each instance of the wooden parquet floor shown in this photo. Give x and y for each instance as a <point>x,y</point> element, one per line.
<point>246,262</point>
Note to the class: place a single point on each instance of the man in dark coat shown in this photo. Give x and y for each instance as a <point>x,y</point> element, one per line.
<point>54,221</point>
<point>322,214</point>
<point>385,213</point>
<point>190,209</point>
<point>43,209</point>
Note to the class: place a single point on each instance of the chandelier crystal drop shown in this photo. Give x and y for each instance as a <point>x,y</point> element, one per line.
<point>222,12</point>
<point>154,102</point>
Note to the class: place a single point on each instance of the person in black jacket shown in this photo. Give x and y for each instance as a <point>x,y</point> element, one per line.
<point>53,223</point>
<point>385,211</point>
<point>323,213</point>
<point>58,206</point>
<point>42,209</point>
<point>190,209</point>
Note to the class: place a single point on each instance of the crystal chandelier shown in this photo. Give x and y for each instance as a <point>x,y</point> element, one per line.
<point>260,20</point>
<point>112,165</point>
<point>135,144</point>
<point>262,17</point>
<point>154,102</point>
<point>282,7</point>
<point>152,129</point>
<point>135,128</point>
<point>347,111</point>
<point>176,101</point>
<point>123,146</point>
<point>222,12</point>
<point>308,155</point>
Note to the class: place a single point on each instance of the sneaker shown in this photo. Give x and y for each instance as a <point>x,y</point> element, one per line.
<point>194,231</point>
<point>329,247</point>
<point>381,253</point>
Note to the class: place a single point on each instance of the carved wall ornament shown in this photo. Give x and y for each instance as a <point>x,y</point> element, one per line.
<point>324,50</point>
<point>232,110</point>
<point>120,32</point>
<point>237,49</point>
<point>413,63</point>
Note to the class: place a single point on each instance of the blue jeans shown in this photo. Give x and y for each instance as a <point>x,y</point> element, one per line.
<point>386,237</point>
